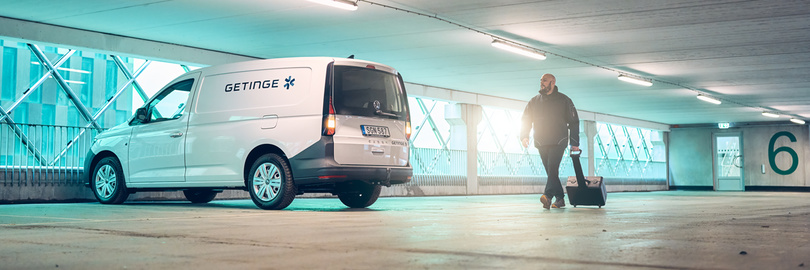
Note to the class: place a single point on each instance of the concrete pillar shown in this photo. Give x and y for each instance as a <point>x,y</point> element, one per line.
<point>590,134</point>
<point>458,129</point>
<point>464,119</point>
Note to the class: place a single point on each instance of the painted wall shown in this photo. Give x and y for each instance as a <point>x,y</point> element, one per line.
<point>690,157</point>
<point>691,153</point>
<point>787,171</point>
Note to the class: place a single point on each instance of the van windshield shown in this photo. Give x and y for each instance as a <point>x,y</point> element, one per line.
<point>368,92</point>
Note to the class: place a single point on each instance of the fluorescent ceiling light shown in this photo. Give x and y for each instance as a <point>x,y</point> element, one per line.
<point>500,44</point>
<point>797,121</point>
<point>76,82</point>
<point>341,4</point>
<point>638,81</point>
<point>770,114</point>
<point>709,99</point>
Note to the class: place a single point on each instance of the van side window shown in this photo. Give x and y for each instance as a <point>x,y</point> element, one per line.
<point>171,102</point>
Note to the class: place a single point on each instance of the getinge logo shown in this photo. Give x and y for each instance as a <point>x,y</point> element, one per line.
<point>290,80</point>
<point>263,84</point>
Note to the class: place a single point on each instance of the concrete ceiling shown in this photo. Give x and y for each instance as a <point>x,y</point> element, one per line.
<point>753,55</point>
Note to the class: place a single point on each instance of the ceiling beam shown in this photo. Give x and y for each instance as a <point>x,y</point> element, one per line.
<point>60,36</point>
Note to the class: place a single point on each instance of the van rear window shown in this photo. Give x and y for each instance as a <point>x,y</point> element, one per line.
<point>368,92</point>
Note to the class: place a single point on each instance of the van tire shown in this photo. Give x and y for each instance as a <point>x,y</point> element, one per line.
<point>364,196</point>
<point>108,183</point>
<point>200,195</point>
<point>270,182</point>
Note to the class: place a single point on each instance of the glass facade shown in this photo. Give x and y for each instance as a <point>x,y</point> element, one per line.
<point>9,73</point>
<point>620,152</point>
<point>54,116</point>
<point>629,153</point>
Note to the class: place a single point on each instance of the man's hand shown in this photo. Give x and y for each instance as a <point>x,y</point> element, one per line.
<point>525,142</point>
<point>575,149</point>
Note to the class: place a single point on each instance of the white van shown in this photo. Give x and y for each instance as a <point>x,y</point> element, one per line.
<point>276,128</point>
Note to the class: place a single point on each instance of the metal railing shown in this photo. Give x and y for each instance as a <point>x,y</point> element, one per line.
<point>430,161</point>
<point>54,155</point>
<point>509,164</point>
<point>43,154</point>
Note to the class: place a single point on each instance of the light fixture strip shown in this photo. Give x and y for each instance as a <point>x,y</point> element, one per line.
<point>797,121</point>
<point>500,44</point>
<point>76,82</point>
<point>770,114</point>
<point>341,4</point>
<point>635,80</point>
<point>709,99</point>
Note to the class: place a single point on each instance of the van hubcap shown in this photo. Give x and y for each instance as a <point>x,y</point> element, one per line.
<point>267,182</point>
<point>105,181</point>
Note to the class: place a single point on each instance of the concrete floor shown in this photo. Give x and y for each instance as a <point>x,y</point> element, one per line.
<point>649,230</point>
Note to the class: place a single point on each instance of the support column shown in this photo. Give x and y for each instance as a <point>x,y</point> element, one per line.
<point>464,119</point>
<point>590,133</point>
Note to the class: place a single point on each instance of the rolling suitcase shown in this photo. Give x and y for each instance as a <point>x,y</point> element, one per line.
<point>585,190</point>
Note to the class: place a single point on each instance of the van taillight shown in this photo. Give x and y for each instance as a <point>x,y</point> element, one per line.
<point>407,123</point>
<point>329,122</point>
<point>329,126</point>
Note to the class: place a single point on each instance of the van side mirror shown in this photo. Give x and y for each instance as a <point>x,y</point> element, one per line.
<point>140,114</point>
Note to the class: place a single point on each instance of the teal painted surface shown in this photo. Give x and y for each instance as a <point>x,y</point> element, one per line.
<point>690,157</point>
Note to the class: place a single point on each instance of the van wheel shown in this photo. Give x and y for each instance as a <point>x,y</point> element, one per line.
<point>270,182</point>
<point>108,182</point>
<point>363,196</point>
<point>200,195</point>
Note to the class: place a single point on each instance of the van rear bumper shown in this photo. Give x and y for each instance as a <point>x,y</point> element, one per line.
<point>316,165</point>
<point>373,175</point>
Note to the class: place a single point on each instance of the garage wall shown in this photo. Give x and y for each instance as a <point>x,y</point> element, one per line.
<point>757,153</point>
<point>690,156</point>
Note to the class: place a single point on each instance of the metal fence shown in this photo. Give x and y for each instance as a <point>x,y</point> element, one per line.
<point>509,164</point>
<point>430,161</point>
<point>54,155</point>
<point>43,154</point>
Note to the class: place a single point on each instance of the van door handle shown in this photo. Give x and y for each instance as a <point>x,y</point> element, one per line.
<point>176,135</point>
<point>377,150</point>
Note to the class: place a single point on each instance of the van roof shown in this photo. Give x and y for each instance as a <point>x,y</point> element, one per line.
<point>291,62</point>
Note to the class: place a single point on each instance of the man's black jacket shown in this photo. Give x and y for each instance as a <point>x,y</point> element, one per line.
<point>551,116</point>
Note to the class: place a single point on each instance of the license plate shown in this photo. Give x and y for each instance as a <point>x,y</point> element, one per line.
<point>375,131</point>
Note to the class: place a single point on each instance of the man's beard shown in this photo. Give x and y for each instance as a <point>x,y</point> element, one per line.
<point>546,90</point>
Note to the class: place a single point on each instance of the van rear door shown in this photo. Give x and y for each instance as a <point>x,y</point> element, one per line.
<point>371,113</point>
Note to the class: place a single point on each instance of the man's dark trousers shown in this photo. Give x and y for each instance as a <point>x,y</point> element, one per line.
<point>552,156</point>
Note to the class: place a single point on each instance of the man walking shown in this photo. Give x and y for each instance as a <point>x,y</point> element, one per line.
<point>555,122</point>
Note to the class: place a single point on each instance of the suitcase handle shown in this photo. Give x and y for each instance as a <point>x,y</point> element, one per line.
<point>581,180</point>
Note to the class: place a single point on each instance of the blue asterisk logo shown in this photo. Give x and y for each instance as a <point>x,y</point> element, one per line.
<point>290,82</point>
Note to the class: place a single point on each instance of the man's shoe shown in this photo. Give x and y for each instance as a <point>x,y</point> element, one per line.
<point>546,202</point>
<point>559,203</point>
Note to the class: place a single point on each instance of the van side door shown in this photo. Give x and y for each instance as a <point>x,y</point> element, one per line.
<point>157,144</point>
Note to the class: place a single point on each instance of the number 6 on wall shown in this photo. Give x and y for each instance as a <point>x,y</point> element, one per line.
<point>772,153</point>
